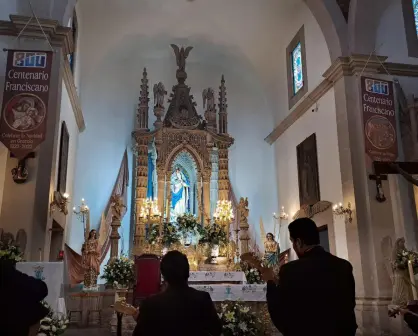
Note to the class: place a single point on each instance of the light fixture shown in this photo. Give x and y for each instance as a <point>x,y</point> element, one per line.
<point>224,213</point>
<point>340,210</point>
<point>60,203</point>
<point>282,216</point>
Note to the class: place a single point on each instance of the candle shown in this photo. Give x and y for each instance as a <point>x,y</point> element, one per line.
<point>167,210</point>
<point>40,254</point>
<point>412,278</point>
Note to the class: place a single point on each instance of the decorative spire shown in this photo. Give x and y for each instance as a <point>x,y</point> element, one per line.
<point>142,114</point>
<point>223,107</point>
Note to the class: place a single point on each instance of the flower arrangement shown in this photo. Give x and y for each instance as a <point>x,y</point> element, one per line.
<point>214,235</point>
<point>52,324</point>
<point>119,272</point>
<point>10,252</point>
<point>252,274</point>
<point>170,235</point>
<point>402,258</point>
<point>238,320</point>
<point>187,224</point>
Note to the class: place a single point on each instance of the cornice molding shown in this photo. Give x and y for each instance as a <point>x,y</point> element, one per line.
<point>72,93</point>
<point>58,36</point>
<point>342,66</point>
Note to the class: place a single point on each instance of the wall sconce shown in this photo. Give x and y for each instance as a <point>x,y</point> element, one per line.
<point>282,216</point>
<point>60,203</point>
<point>339,210</point>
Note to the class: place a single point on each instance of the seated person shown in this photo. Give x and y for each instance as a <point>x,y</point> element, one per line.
<point>179,310</point>
<point>21,295</point>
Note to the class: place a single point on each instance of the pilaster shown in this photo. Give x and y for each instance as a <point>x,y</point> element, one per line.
<point>140,188</point>
<point>206,198</point>
<point>223,173</point>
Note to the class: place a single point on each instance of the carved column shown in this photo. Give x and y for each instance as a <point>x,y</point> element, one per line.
<point>168,193</point>
<point>140,188</point>
<point>223,173</point>
<point>161,191</point>
<point>243,224</point>
<point>206,197</point>
<point>114,238</point>
<point>199,197</point>
<point>214,180</point>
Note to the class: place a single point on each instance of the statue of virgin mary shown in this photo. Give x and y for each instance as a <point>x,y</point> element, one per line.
<point>179,192</point>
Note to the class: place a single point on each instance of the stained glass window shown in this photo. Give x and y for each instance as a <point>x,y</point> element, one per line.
<point>415,6</point>
<point>297,70</point>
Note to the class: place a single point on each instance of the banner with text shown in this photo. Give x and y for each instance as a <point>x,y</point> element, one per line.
<point>378,105</point>
<point>25,101</point>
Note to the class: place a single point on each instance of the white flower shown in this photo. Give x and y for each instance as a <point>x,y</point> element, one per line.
<point>44,327</point>
<point>242,326</point>
<point>41,334</point>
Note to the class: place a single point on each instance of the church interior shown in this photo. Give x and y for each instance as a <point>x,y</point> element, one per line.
<point>132,128</point>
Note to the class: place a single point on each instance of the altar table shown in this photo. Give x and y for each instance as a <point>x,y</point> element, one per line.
<point>202,276</point>
<point>244,292</point>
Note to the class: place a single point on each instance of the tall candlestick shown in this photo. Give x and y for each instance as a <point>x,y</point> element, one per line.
<point>166,210</point>
<point>412,278</point>
<point>40,254</point>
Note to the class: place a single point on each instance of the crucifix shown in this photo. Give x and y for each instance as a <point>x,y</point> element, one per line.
<point>382,169</point>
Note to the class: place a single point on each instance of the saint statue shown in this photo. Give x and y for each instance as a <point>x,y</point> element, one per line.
<point>208,96</point>
<point>402,292</point>
<point>271,251</point>
<point>159,94</point>
<point>117,207</point>
<point>90,252</point>
<point>180,193</point>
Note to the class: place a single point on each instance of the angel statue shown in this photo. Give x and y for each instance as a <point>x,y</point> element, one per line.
<point>181,55</point>
<point>159,94</point>
<point>402,291</point>
<point>271,248</point>
<point>243,210</point>
<point>117,207</point>
<point>208,96</point>
<point>90,254</point>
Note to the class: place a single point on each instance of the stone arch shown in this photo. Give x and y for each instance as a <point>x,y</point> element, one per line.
<point>191,151</point>
<point>333,25</point>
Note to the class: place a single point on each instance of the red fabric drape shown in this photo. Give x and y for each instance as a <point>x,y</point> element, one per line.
<point>75,270</point>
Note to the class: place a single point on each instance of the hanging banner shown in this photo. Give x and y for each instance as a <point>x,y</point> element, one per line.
<point>25,101</point>
<point>378,105</point>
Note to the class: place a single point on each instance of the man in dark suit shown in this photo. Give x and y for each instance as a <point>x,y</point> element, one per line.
<point>20,295</point>
<point>314,295</point>
<point>179,310</point>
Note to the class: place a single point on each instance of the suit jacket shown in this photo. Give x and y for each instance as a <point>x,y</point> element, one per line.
<point>20,295</point>
<point>412,322</point>
<point>180,311</point>
<point>315,296</point>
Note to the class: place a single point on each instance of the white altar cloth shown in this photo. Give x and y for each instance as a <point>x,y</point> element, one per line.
<point>201,276</point>
<point>243,292</point>
<point>52,273</point>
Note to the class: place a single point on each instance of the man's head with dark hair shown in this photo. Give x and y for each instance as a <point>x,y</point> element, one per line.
<point>175,268</point>
<point>303,234</point>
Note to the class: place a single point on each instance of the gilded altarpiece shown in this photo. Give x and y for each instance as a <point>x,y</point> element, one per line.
<point>182,144</point>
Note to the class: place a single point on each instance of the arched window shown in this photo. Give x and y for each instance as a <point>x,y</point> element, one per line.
<point>74,27</point>
<point>410,15</point>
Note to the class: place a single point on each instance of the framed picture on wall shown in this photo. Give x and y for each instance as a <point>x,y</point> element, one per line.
<point>307,158</point>
<point>63,159</point>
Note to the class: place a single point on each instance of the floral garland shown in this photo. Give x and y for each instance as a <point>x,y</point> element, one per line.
<point>403,257</point>
<point>10,252</point>
<point>52,324</point>
<point>214,235</point>
<point>238,320</point>
<point>119,272</point>
<point>170,235</point>
<point>187,224</point>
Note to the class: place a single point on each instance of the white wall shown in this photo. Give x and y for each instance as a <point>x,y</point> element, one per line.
<point>323,124</point>
<point>67,115</point>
